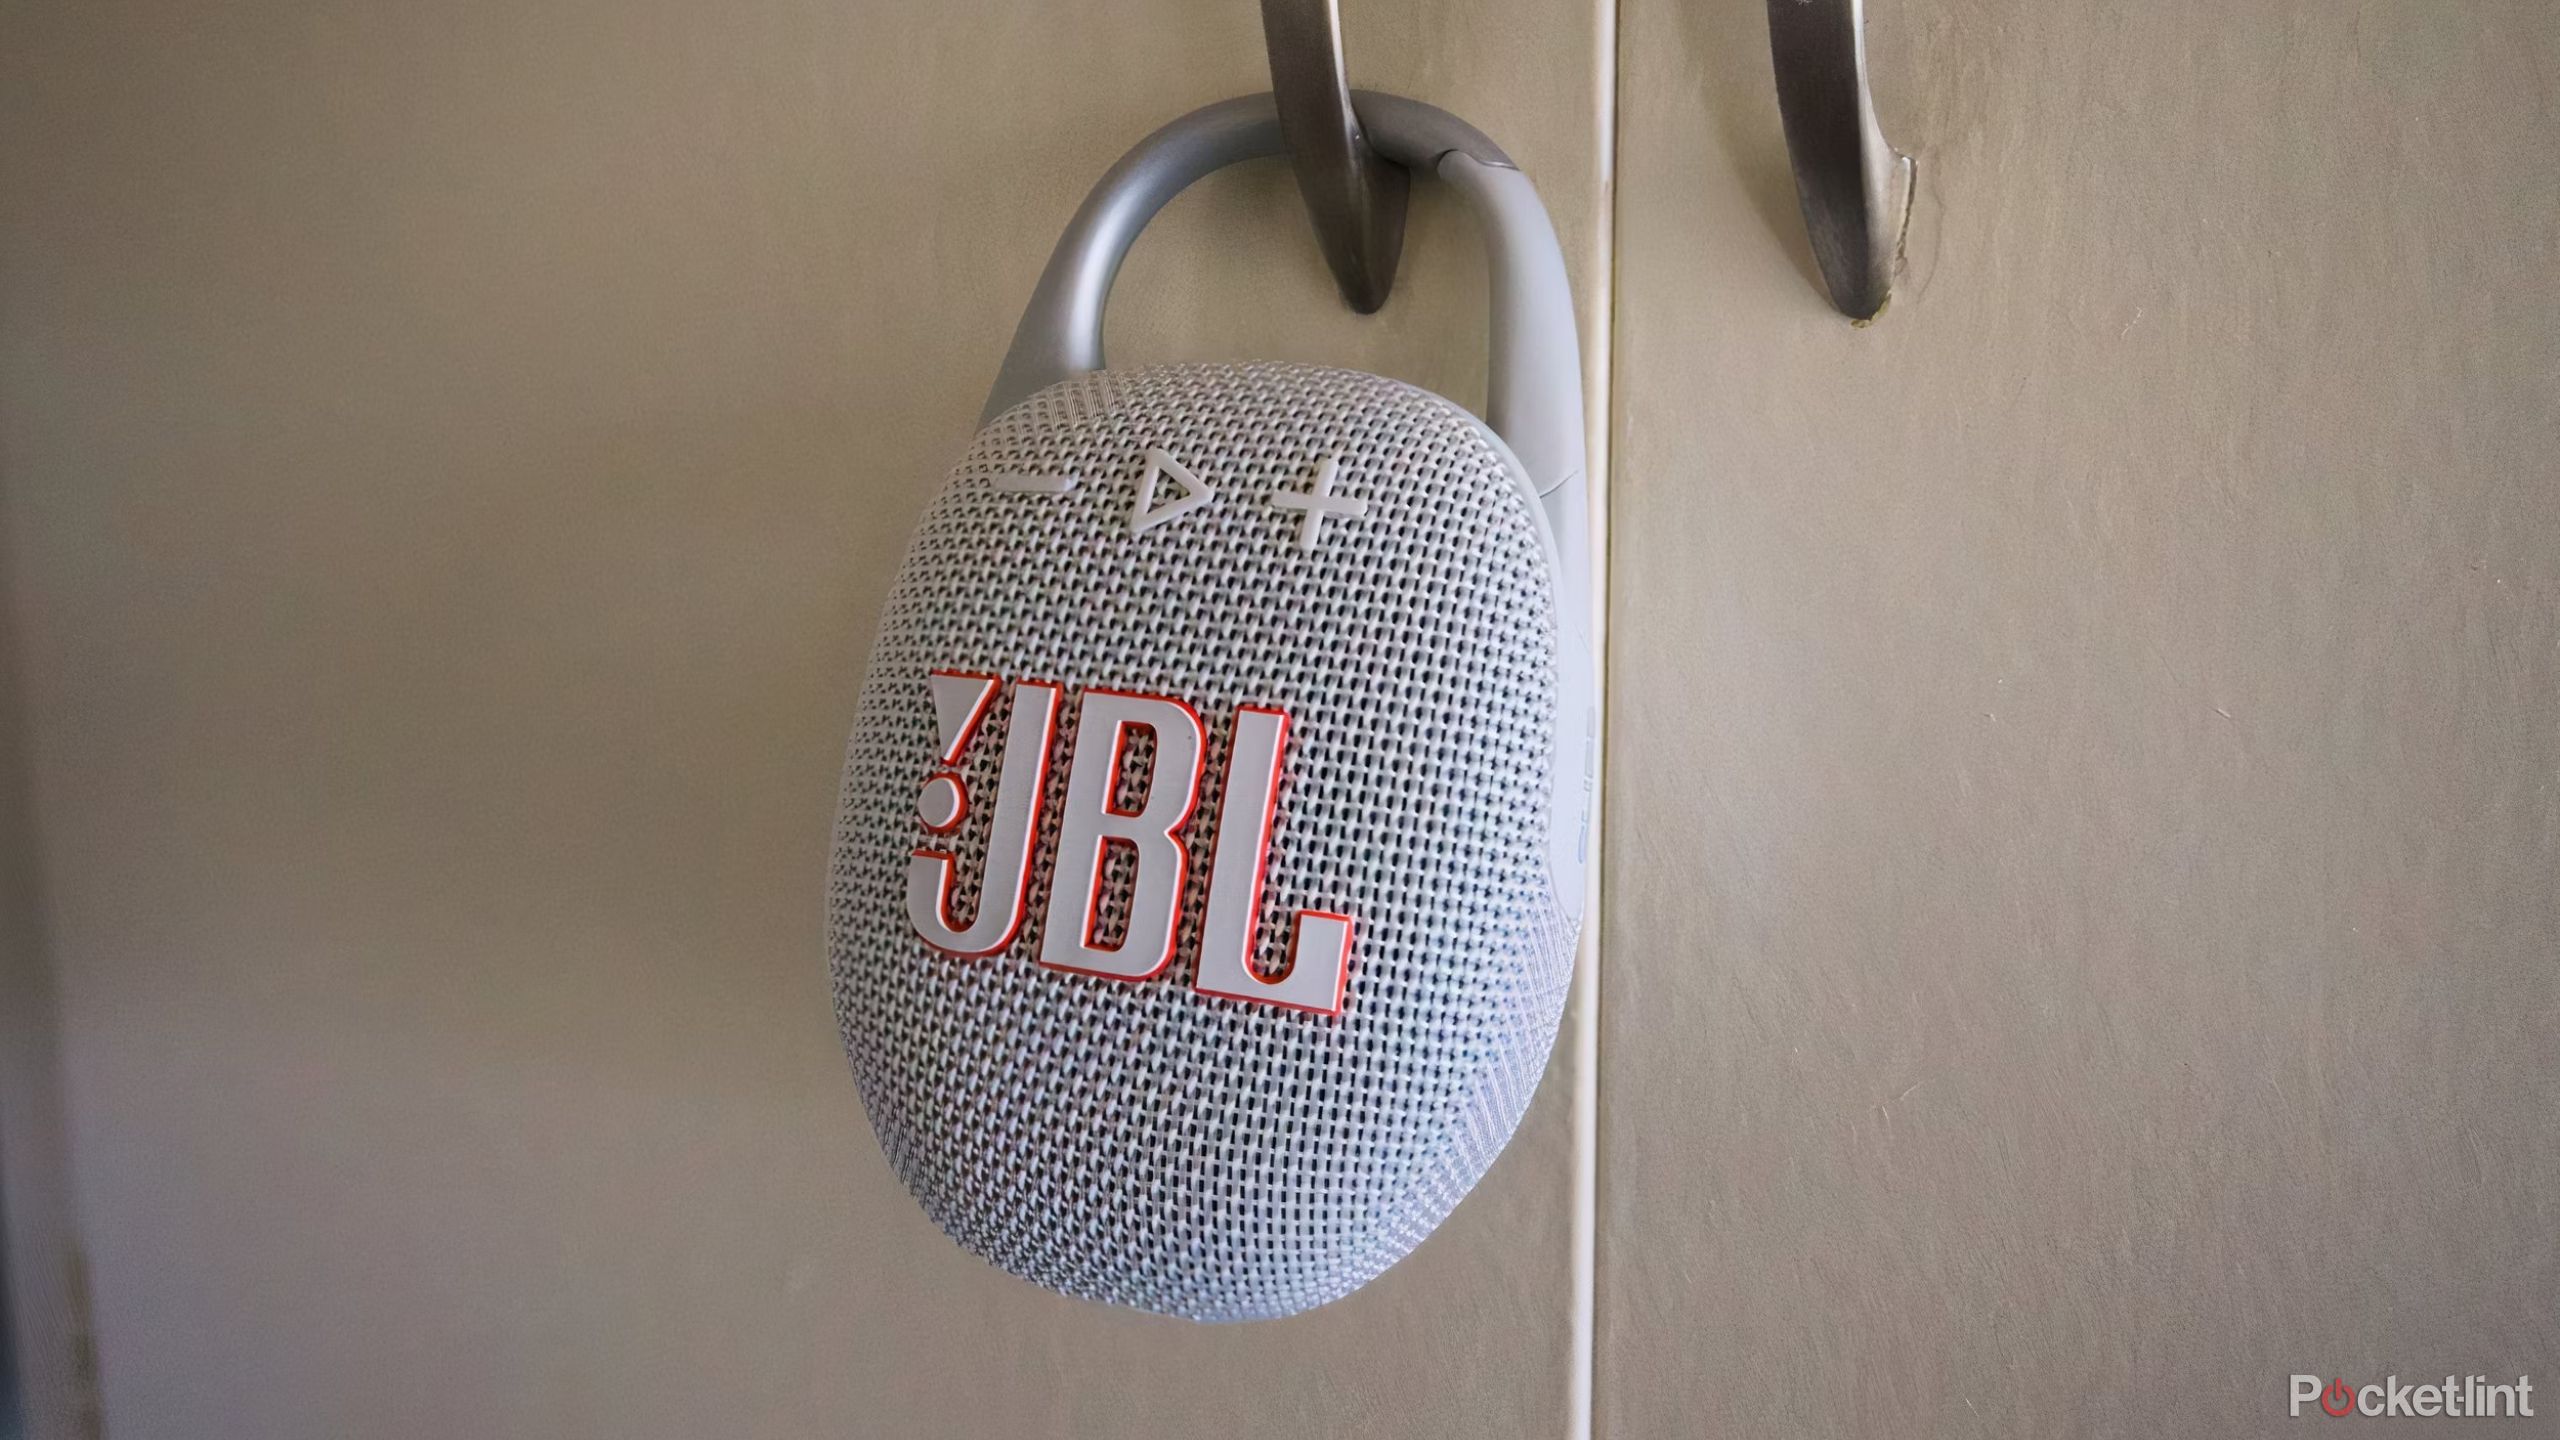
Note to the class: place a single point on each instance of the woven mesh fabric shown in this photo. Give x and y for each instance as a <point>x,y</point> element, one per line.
<point>1139,1142</point>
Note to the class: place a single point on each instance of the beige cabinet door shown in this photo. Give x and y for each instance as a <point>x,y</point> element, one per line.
<point>456,454</point>
<point>2082,944</point>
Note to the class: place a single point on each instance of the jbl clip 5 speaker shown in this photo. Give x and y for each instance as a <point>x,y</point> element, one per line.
<point>1209,860</point>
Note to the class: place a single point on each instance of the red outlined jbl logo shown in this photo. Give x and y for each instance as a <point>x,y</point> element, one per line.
<point>1092,821</point>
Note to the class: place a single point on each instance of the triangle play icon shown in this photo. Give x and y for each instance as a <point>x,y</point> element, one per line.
<point>1191,492</point>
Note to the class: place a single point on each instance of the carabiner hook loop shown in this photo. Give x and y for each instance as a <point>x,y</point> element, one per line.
<point>1354,196</point>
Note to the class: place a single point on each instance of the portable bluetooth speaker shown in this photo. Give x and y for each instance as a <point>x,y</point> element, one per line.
<point>1210,854</point>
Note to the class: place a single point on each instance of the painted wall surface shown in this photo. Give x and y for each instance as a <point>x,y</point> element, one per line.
<point>40,1273</point>
<point>456,454</point>
<point>2085,771</point>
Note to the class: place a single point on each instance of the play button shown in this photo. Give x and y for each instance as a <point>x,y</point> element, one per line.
<point>1190,492</point>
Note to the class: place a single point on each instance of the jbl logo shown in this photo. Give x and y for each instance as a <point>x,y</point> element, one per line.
<point>1093,820</point>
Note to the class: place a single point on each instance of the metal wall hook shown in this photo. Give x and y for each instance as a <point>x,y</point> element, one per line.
<point>1855,188</point>
<point>1355,197</point>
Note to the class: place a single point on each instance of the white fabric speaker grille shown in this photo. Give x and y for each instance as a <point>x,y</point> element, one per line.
<point>1138,1142</point>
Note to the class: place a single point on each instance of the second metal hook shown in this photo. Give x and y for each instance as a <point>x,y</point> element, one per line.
<point>1355,197</point>
<point>1855,188</point>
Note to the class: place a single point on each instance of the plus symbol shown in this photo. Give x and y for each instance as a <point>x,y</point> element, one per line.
<point>1318,501</point>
